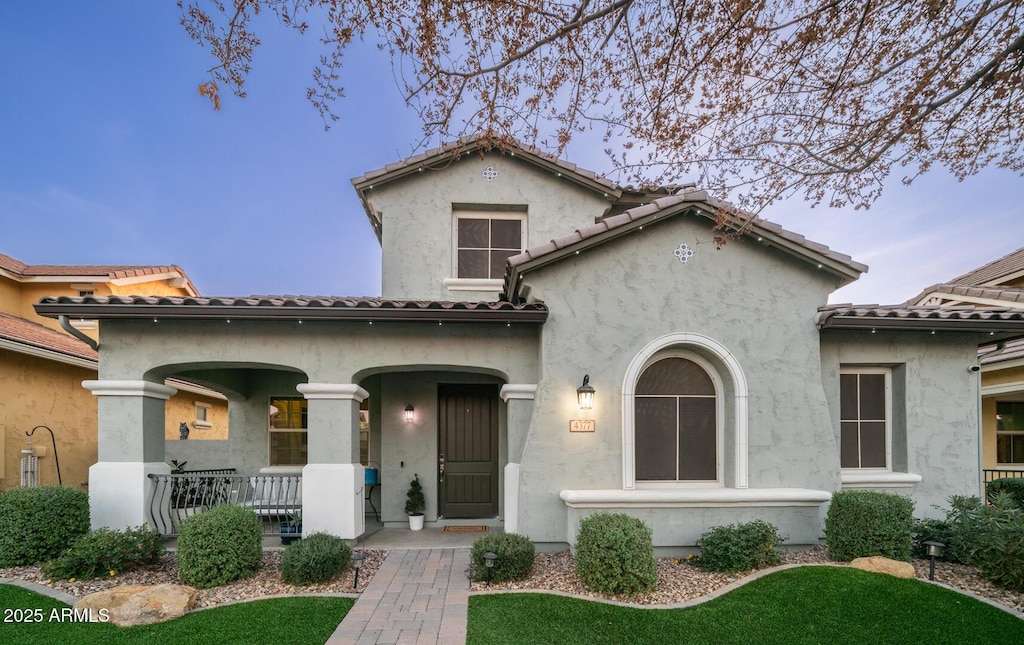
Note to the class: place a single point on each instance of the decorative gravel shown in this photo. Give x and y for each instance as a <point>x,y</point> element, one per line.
<point>678,581</point>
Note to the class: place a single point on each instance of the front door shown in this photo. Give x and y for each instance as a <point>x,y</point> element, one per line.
<point>467,451</point>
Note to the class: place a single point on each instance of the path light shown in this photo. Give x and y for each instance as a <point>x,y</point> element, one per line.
<point>585,394</point>
<point>489,559</point>
<point>934,551</point>
<point>409,412</point>
<point>357,562</point>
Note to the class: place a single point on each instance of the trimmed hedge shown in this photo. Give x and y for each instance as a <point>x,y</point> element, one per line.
<point>318,557</point>
<point>615,554</point>
<point>106,552</point>
<point>1012,486</point>
<point>39,523</point>
<point>863,523</point>
<point>515,557</point>
<point>739,547</point>
<point>219,546</point>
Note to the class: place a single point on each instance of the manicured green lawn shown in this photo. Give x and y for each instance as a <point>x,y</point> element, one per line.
<point>803,605</point>
<point>275,621</point>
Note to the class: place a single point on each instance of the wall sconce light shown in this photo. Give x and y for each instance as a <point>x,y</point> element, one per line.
<point>585,394</point>
<point>408,412</point>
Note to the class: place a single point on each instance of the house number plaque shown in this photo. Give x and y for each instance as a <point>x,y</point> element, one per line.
<point>582,425</point>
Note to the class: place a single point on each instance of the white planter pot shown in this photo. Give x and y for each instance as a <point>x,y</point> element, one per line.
<point>416,522</point>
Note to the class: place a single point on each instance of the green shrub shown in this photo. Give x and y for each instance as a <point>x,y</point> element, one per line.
<point>932,530</point>
<point>991,537</point>
<point>100,552</point>
<point>740,547</point>
<point>614,554</point>
<point>318,557</point>
<point>218,546</point>
<point>1012,486</point>
<point>864,523</point>
<point>37,524</point>
<point>515,557</point>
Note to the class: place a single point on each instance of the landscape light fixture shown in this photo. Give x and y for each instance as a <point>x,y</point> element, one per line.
<point>934,551</point>
<point>357,562</point>
<point>489,559</point>
<point>585,394</point>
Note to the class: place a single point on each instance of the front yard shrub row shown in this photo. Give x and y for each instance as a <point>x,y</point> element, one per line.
<point>103,551</point>
<point>219,546</point>
<point>1012,486</point>
<point>515,557</point>
<point>318,557</point>
<point>37,524</point>
<point>615,554</point>
<point>740,547</point>
<point>864,523</point>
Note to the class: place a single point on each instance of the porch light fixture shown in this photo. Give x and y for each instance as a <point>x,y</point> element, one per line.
<point>489,559</point>
<point>585,394</point>
<point>934,551</point>
<point>357,562</point>
<point>408,412</point>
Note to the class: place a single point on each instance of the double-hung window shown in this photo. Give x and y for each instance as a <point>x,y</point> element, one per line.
<point>865,412</point>
<point>1010,432</point>
<point>288,436</point>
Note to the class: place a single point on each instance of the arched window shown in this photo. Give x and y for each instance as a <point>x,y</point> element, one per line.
<point>676,417</point>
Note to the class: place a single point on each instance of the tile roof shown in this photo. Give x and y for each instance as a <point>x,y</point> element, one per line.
<point>107,271</point>
<point>1009,295</point>
<point>994,271</point>
<point>25,332</point>
<point>927,318</point>
<point>288,307</point>
<point>1014,350</point>
<point>689,201</point>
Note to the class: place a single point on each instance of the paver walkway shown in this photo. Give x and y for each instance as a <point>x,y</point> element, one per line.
<point>417,596</point>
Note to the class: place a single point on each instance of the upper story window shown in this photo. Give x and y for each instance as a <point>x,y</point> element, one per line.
<point>1010,432</point>
<point>484,241</point>
<point>677,425</point>
<point>202,415</point>
<point>865,414</point>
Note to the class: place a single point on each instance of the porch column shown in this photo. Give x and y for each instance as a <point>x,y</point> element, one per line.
<point>518,398</point>
<point>332,480</point>
<point>131,447</point>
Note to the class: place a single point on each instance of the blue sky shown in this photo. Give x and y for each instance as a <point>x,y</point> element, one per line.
<point>109,156</point>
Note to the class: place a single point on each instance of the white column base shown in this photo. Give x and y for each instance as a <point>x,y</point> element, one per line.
<point>332,499</point>
<point>119,492</point>
<point>511,498</point>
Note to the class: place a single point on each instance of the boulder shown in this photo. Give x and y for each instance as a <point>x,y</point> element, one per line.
<point>878,564</point>
<point>138,604</point>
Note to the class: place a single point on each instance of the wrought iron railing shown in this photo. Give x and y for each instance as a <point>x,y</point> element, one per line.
<point>277,499</point>
<point>992,474</point>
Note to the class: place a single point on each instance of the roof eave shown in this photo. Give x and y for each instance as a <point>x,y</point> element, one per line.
<point>1011,327</point>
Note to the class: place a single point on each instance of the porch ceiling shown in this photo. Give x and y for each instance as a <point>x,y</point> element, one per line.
<point>291,308</point>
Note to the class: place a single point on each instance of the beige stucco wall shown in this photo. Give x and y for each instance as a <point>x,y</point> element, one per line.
<point>38,391</point>
<point>417,218</point>
<point>181,407</point>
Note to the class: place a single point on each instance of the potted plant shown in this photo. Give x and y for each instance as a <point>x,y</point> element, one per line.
<point>291,529</point>
<point>415,504</point>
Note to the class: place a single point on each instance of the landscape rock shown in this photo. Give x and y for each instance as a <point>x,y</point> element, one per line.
<point>129,605</point>
<point>878,564</point>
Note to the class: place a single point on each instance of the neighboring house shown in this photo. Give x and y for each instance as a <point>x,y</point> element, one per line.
<point>42,367</point>
<point>725,388</point>
<point>998,285</point>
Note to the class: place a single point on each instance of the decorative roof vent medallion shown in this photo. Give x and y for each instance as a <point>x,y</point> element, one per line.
<point>684,253</point>
<point>489,173</point>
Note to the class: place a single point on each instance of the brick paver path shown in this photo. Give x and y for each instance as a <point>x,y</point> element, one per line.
<point>417,596</point>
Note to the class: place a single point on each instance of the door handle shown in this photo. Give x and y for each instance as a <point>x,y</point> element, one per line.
<point>440,466</point>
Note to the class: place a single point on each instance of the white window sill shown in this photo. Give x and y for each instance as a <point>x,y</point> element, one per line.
<point>878,479</point>
<point>202,424</point>
<point>473,284</point>
<point>694,497</point>
<point>281,470</point>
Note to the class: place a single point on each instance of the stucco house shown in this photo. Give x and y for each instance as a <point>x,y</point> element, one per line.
<point>42,366</point>
<point>996,285</point>
<point>724,387</point>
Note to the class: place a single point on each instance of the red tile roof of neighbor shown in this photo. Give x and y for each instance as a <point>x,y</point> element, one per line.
<point>107,271</point>
<point>25,332</point>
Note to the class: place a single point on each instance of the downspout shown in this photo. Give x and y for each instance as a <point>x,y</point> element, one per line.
<point>69,328</point>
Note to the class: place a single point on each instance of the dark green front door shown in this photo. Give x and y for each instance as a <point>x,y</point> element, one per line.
<point>468,451</point>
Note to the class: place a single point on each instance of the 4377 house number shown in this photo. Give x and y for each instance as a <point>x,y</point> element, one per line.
<point>56,615</point>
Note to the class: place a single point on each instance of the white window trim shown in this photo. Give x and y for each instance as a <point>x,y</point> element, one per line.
<point>198,423</point>
<point>716,381</point>
<point>687,341</point>
<point>1007,465</point>
<point>870,474</point>
<point>467,284</point>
